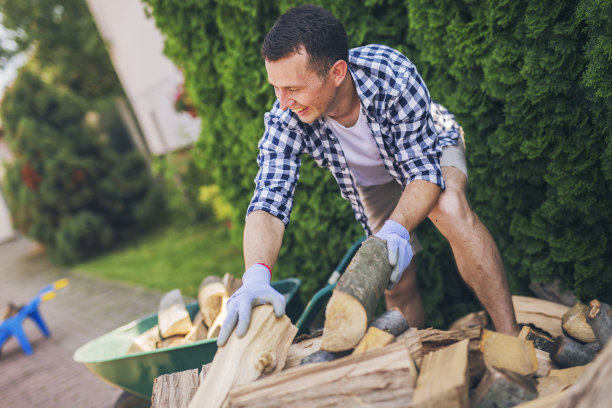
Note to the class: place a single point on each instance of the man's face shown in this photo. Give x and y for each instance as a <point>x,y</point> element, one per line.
<point>301,89</point>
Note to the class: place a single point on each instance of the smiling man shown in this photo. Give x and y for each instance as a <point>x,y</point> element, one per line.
<point>364,114</point>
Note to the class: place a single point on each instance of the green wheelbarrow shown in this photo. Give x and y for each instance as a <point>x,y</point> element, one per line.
<point>107,357</point>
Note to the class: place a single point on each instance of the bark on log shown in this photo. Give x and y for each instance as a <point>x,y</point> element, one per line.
<point>322,356</point>
<point>174,390</point>
<point>568,352</point>
<point>378,378</point>
<point>356,296</point>
<point>592,389</point>
<point>508,352</point>
<point>540,340</point>
<point>541,313</point>
<point>600,319</point>
<point>443,381</point>
<point>242,360</point>
<point>575,323</point>
<point>503,389</point>
<point>383,330</point>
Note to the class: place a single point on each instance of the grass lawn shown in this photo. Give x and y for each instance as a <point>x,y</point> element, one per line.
<point>171,257</point>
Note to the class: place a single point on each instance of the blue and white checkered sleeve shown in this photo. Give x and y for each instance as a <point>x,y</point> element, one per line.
<point>279,162</point>
<point>418,152</point>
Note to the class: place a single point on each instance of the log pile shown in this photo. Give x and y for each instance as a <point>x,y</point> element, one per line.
<point>393,366</point>
<point>175,326</point>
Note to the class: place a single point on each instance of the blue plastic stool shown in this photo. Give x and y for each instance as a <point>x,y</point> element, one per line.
<point>13,326</point>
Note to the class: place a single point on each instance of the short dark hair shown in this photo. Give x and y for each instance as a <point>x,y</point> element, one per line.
<point>317,30</point>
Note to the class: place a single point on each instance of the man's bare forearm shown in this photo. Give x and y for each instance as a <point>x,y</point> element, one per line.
<point>263,236</point>
<point>416,202</point>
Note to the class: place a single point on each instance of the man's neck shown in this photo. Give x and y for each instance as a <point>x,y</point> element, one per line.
<point>347,103</point>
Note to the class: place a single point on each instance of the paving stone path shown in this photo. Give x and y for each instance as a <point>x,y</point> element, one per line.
<point>86,309</point>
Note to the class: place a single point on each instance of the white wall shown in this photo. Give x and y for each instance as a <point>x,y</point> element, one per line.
<point>149,79</point>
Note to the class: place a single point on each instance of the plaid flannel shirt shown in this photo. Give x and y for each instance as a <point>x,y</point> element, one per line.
<point>409,130</point>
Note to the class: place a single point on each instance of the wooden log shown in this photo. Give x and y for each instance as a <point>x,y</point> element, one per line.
<point>443,381</point>
<point>568,352</point>
<point>508,352</point>
<point>600,319</point>
<point>378,378</point>
<point>473,319</point>
<point>383,330</point>
<point>541,341</point>
<point>174,390</point>
<point>549,401</point>
<point>354,300</point>
<point>198,331</point>
<point>301,348</point>
<point>559,380</point>
<point>215,327</point>
<point>593,388</point>
<point>575,323</point>
<point>146,341</point>
<point>322,356</point>
<point>231,283</point>
<point>262,349</point>
<point>211,296</point>
<point>545,365</point>
<point>173,317</point>
<point>421,342</point>
<point>501,388</point>
<point>172,341</point>
<point>541,313</point>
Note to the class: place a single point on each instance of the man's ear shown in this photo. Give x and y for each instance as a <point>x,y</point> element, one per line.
<point>338,71</point>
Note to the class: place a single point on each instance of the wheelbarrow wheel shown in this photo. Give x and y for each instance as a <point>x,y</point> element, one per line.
<point>129,400</point>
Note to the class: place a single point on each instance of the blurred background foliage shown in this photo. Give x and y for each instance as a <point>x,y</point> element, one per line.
<point>76,185</point>
<point>528,81</point>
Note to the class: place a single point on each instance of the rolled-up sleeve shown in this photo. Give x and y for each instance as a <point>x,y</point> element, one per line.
<point>418,151</point>
<point>279,162</point>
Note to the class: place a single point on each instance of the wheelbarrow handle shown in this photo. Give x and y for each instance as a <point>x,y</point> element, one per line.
<point>322,296</point>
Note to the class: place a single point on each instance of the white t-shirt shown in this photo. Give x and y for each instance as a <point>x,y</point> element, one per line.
<point>361,151</point>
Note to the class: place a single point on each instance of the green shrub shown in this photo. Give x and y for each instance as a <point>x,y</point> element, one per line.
<point>66,188</point>
<point>528,81</point>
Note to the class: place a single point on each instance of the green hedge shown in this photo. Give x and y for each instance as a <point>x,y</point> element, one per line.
<point>529,82</point>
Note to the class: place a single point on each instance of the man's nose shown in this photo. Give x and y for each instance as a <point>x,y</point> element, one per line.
<point>284,99</point>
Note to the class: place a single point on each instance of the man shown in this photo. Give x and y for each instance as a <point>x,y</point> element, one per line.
<point>398,157</point>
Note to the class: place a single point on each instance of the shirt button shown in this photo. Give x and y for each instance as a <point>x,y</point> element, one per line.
<point>343,169</point>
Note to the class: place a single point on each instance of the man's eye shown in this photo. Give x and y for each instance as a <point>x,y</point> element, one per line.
<point>293,89</point>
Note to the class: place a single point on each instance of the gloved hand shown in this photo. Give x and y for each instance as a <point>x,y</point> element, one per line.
<point>398,247</point>
<point>255,290</point>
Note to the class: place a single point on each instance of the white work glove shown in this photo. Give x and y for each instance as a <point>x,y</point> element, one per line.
<point>398,247</point>
<point>255,290</point>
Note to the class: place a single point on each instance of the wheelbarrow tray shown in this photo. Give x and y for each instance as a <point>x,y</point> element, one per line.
<point>107,357</point>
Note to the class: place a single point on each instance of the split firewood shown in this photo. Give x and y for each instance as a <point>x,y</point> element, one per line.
<point>322,356</point>
<point>421,342</point>
<point>301,348</point>
<point>262,349</point>
<point>568,352</point>
<point>592,389</point>
<point>173,317</point>
<point>473,319</point>
<point>356,296</point>
<point>146,341</point>
<point>541,341</point>
<point>198,331</point>
<point>508,352</point>
<point>172,341</point>
<point>600,319</point>
<point>559,380</point>
<point>501,388</point>
<point>545,365</point>
<point>575,323</point>
<point>174,390</point>
<point>215,327</point>
<point>443,380</point>
<point>541,313</point>
<point>231,283</point>
<point>211,296</point>
<point>378,378</point>
<point>383,330</point>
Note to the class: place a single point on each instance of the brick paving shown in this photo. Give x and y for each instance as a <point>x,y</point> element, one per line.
<point>86,309</point>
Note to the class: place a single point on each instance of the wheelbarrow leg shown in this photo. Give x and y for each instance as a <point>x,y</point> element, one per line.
<point>35,315</point>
